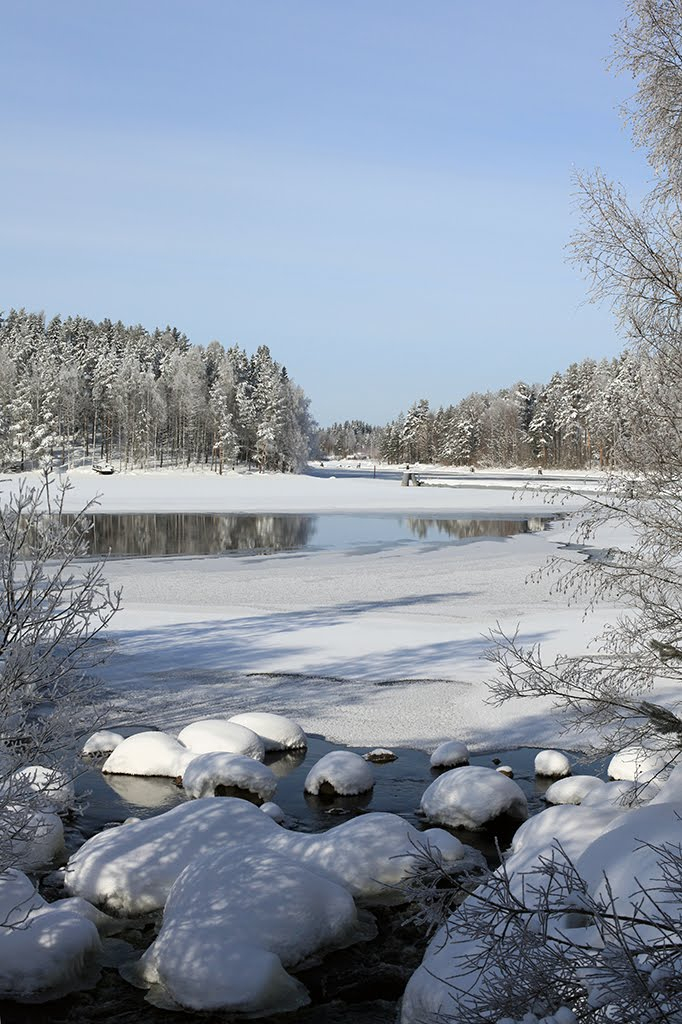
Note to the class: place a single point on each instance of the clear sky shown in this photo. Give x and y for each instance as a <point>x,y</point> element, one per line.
<point>379,190</point>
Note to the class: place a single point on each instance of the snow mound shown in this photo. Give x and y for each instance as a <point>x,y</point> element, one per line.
<point>340,772</point>
<point>616,795</point>
<point>214,734</point>
<point>207,774</point>
<point>276,731</point>
<point>273,811</point>
<point>102,742</point>
<point>130,870</point>
<point>632,762</point>
<point>37,837</point>
<point>450,754</point>
<point>471,797</point>
<point>552,764</point>
<point>671,789</point>
<point>148,753</point>
<point>573,790</point>
<point>48,951</point>
<point>232,925</point>
<point>380,755</point>
<point>45,788</point>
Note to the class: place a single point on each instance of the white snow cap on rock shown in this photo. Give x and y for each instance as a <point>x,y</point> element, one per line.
<point>449,755</point>
<point>36,839</point>
<point>213,734</point>
<point>47,788</point>
<point>206,772</point>
<point>276,731</point>
<point>552,764</point>
<point>148,753</point>
<point>470,797</point>
<point>632,762</point>
<point>573,789</point>
<point>131,870</point>
<point>47,952</point>
<point>232,925</point>
<point>345,772</point>
<point>102,742</point>
<point>613,795</point>
<point>273,811</point>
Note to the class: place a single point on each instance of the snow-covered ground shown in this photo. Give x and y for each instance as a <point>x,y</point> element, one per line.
<point>384,647</point>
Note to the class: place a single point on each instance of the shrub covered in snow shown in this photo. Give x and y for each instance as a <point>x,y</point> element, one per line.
<point>450,754</point>
<point>47,789</point>
<point>552,764</point>
<point>472,797</point>
<point>341,772</point>
<point>148,753</point>
<point>207,774</point>
<point>213,734</point>
<point>276,731</point>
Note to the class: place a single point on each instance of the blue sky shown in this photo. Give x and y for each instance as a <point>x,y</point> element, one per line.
<point>379,190</point>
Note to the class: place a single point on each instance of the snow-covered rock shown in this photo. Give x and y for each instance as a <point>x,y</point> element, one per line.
<point>632,762</point>
<point>573,790</point>
<point>472,797</point>
<point>48,949</point>
<point>36,839</point>
<point>340,772</point>
<point>380,755</point>
<point>276,731</point>
<point>505,769</point>
<point>45,788</point>
<point>273,811</point>
<point>213,734</point>
<point>102,742</point>
<point>148,753</point>
<point>671,789</point>
<point>207,774</point>
<point>613,795</point>
<point>450,754</point>
<point>233,924</point>
<point>552,764</point>
<point>131,870</point>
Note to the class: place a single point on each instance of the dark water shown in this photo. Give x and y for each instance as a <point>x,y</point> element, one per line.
<point>155,534</point>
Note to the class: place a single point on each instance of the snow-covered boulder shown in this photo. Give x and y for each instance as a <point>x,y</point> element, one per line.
<point>473,797</point>
<point>212,774</point>
<point>613,795</point>
<point>233,924</point>
<point>34,838</point>
<point>552,764</point>
<point>632,762</point>
<point>148,753</point>
<point>130,870</point>
<point>450,754</point>
<point>380,755</point>
<point>276,731</point>
<point>45,788</point>
<point>505,769</point>
<point>46,950</point>
<point>102,742</point>
<point>273,811</point>
<point>671,789</point>
<point>213,734</point>
<point>573,790</point>
<point>340,772</point>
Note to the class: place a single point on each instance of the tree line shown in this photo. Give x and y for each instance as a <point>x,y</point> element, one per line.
<point>72,389</point>
<point>582,417</point>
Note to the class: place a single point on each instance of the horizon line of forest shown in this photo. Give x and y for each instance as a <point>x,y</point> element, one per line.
<point>73,390</point>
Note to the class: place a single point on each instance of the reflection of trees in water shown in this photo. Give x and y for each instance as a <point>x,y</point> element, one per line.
<point>461,529</point>
<point>194,534</point>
